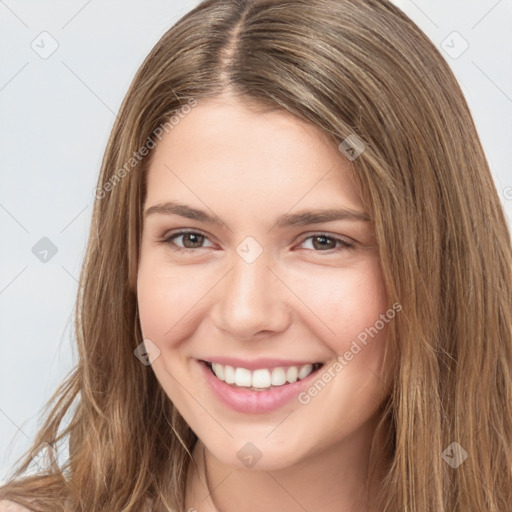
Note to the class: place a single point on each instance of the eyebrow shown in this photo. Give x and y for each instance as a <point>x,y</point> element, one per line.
<point>301,218</point>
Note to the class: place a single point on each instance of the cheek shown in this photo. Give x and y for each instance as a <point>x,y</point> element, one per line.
<point>154,300</point>
<point>164,297</point>
<point>355,382</point>
<point>346,304</point>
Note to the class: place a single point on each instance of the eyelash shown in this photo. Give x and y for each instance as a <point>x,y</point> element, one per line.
<point>168,240</point>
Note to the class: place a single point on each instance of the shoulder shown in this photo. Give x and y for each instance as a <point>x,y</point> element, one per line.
<point>10,506</point>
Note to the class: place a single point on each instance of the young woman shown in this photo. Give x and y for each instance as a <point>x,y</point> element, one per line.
<point>297,289</point>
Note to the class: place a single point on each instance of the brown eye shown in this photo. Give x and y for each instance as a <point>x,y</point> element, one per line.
<point>322,242</point>
<point>191,240</point>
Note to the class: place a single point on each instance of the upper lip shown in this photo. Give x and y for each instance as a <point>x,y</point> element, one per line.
<point>255,364</point>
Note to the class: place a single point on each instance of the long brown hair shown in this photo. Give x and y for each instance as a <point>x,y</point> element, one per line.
<point>349,67</point>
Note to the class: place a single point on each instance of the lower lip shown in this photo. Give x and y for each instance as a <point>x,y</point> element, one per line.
<point>248,401</point>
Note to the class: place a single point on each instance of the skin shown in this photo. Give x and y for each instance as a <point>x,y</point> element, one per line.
<point>303,298</point>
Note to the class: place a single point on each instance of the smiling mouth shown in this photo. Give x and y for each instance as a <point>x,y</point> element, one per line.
<point>262,379</point>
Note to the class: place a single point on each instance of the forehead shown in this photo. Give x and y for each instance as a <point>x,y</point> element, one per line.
<point>223,150</point>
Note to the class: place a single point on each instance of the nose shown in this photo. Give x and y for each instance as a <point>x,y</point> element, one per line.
<point>252,300</point>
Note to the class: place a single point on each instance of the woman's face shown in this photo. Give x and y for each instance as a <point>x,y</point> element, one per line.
<point>239,266</point>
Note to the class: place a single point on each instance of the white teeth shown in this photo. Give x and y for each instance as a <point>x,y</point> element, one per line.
<point>305,371</point>
<point>278,377</point>
<point>291,374</point>
<point>219,370</point>
<point>262,378</point>
<point>243,377</point>
<point>229,374</point>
